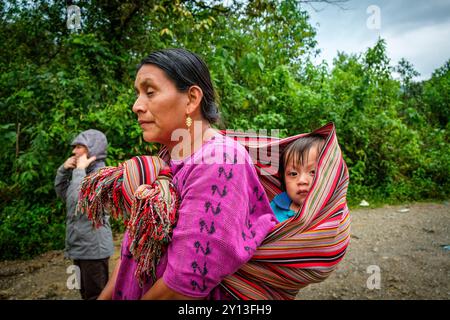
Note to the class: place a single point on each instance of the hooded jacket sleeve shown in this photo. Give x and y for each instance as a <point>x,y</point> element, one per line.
<point>68,182</point>
<point>75,186</point>
<point>62,182</point>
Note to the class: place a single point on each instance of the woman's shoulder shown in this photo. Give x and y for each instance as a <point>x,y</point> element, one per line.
<point>223,150</point>
<point>218,153</point>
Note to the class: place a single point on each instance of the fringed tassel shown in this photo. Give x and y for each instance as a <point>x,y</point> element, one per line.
<point>153,212</point>
<point>153,217</point>
<point>101,194</point>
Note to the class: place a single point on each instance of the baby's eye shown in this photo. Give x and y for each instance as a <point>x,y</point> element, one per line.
<point>312,172</point>
<point>292,174</point>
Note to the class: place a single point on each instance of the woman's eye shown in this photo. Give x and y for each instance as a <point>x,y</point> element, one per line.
<point>149,93</point>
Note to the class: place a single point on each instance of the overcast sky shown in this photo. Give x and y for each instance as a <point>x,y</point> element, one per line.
<point>418,30</point>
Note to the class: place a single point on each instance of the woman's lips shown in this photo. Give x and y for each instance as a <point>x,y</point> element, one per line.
<point>144,123</point>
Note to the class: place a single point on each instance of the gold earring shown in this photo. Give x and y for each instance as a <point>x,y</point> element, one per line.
<point>188,121</point>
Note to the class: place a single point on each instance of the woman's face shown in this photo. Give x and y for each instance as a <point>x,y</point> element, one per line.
<point>79,150</point>
<point>160,107</point>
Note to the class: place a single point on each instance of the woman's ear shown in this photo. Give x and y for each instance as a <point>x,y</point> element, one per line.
<point>195,96</point>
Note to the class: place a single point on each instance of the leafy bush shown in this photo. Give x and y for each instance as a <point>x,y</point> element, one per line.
<point>54,84</point>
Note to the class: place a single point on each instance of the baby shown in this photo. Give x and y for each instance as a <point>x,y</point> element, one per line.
<point>297,170</point>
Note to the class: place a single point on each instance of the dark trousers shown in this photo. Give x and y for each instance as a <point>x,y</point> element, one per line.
<point>94,276</point>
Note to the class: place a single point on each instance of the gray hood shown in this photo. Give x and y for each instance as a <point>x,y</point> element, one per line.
<point>96,143</point>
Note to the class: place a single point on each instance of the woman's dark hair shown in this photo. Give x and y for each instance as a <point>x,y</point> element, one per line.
<point>297,153</point>
<point>186,69</point>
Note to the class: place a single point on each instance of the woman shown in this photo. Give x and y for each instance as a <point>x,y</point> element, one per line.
<point>89,249</point>
<point>224,213</point>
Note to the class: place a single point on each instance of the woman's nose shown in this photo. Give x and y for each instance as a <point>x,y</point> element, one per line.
<point>138,106</point>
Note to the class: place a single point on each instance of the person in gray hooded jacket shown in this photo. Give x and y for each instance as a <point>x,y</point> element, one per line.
<point>88,247</point>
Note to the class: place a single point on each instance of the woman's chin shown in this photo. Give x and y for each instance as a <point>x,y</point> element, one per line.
<point>149,137</point>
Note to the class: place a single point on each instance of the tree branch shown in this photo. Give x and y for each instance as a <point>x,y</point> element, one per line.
<point>338,3</point>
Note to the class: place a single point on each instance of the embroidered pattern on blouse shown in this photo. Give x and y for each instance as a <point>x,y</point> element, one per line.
<point>215,210</point>
<point>228,175</point>
<point>196,267</point>
<point>212,209</point>
<point>256,191</point>
<point>210,229</point>
<point>203,250</point>
<point>215,189</point>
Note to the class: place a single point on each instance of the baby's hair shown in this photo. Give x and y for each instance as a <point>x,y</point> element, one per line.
<point>297,153</point>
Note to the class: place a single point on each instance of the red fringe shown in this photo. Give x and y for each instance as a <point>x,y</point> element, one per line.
<point>100,194</point>
<point>153,217</point>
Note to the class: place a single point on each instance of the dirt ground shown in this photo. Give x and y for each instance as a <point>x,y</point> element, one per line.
<point>396,252</point>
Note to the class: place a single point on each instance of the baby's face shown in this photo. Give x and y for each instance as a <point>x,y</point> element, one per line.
<point>299,178</point>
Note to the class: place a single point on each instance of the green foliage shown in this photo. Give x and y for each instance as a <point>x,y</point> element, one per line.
<point>27,229</point>
<point>54,84</point>
<point>436,97</point>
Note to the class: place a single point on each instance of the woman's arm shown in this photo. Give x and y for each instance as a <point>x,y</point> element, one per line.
<point>107,292</point>
<point>62,181</point>
<point>160,291</point>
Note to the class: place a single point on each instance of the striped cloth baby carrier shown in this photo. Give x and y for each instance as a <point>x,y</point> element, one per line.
<point>306,248</point>
<point>302,250</point>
